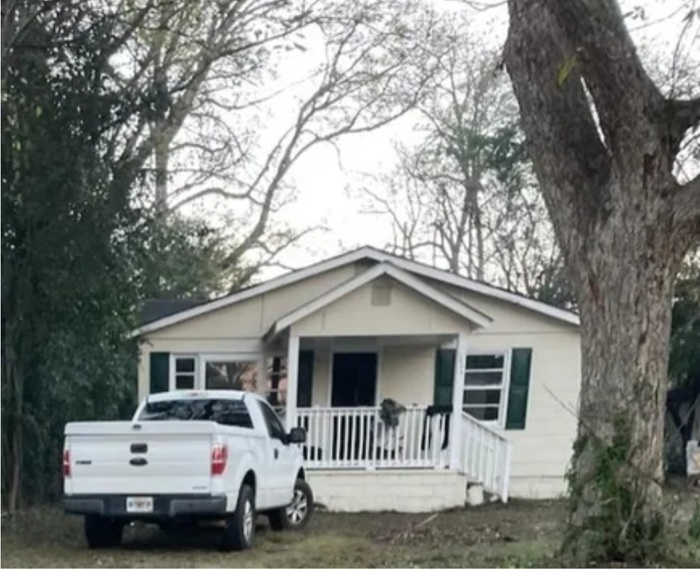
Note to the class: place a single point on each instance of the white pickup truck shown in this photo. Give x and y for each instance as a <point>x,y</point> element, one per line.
<point>185,457</point>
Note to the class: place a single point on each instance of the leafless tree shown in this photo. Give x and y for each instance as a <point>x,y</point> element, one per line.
<point>464,196</point>
<point>206,67</point>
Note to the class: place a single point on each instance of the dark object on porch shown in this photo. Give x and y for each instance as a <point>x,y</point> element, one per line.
<point>390,411</point>
<point>432,411</point>
<point>683,405</point>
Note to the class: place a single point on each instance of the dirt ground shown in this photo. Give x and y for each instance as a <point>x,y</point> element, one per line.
<point>520,534</point>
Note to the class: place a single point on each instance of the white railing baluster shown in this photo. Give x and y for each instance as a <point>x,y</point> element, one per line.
<point>362,457</point>
<point>486,456</point>
<point>490,466</point>
<point>421,434</point>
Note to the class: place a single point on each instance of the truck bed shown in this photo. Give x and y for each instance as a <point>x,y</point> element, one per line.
<point>151,457</point>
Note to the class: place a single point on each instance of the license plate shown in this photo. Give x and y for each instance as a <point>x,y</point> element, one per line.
<point>139,505</point>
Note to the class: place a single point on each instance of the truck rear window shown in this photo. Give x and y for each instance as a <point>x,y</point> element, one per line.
<point>230,412</point>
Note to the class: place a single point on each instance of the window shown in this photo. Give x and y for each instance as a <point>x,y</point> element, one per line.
<point>185,372</point>
<point>484,386</point>
<point>274,425</point>
<point>276,388</point>
<point>230,412</point>
<point>230,373</point>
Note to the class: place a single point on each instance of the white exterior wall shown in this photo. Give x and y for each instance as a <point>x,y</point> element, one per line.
<point>408,313</point>
<point>398,491</point>
<point>542,451</point>
<point>235,329</point>
<point>407,374</point>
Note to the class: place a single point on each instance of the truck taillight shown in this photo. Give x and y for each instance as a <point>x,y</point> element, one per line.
<point>219,458</point>
<point>66,464</point>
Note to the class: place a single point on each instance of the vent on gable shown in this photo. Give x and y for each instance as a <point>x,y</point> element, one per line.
<point>381,294</point>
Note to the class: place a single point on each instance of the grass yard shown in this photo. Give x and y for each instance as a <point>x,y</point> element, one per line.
<point>519,534</point>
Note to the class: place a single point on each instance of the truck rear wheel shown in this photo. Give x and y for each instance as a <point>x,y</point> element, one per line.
<point>297,514</point>
<point>102,532</point>
<point>239,532</point>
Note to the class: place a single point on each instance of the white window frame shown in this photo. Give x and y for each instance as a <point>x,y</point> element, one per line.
<point>172,386</point>
<point>200,365</point>
<point>227,357</point>
<point>269,356</point>
<point>504,386</point>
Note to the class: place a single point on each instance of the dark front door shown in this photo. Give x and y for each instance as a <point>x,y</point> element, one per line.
<point>354,380</point>
<point>354,385</point>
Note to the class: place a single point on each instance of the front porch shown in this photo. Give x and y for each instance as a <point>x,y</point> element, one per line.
<point>334,388</point>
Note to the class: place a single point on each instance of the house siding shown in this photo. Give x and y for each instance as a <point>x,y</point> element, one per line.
<point>254,316</point>
<point>407,374</point>
<point>354,315</point>
<point>542,451</point>
<point>237,328</point>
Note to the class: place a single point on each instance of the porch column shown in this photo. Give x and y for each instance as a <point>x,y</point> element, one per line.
<point>292,381</point>
<point>261,387</point>
<point>457,402</point>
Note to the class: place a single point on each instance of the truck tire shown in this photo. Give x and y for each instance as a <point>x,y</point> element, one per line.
<point>298,514</point>
<point>102,532</point>
<point>239,532</point>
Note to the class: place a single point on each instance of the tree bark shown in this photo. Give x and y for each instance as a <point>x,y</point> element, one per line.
<point>626,323</point>
<point>597,131</point>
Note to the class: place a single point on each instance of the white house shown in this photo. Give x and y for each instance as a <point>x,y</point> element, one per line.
<point>489,379</point>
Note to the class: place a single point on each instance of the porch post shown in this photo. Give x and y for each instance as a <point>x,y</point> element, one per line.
<point>292,380</point>
<point>261,387</point>
<point>457,399</point>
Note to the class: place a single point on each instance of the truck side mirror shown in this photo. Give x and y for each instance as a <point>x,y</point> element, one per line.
<point>297,435</point>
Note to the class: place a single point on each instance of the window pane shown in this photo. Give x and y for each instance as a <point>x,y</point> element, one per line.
<point>184,365</point>
<point>184,381</point>
<point>276,392</point>
<point>492,397</point>
<point>486,361</point>
<point>483,413</point>
<point>232,375</point>
<point>223,411</point>
<point>483,378</point>
<point>274,425</point>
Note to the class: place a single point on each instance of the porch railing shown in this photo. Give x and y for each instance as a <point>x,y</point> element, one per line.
<point>356,437</point>
<point>486,456</point>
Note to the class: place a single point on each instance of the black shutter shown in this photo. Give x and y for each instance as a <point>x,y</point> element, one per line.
<point>444,376</point>
<point>159,372</point>
<point>305,379</point>
<point>520,363</point>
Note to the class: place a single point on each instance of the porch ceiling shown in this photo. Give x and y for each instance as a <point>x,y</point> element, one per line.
<point>377,341</point>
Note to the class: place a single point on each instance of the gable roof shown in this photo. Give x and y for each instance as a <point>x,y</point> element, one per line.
<point>362,253</point>
<point>385,268</point>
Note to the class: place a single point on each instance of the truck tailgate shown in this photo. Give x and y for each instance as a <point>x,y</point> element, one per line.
<point>168,457</point>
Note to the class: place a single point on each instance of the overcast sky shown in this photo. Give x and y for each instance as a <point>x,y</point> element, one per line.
<point>325,178</point>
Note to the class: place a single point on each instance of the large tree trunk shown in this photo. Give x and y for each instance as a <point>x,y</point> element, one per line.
<point>624,225</point>
<point>617,471</point>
